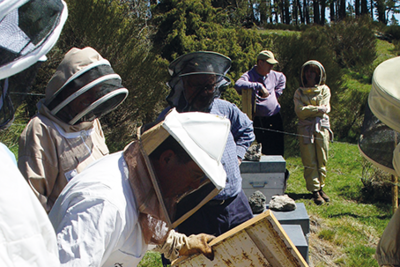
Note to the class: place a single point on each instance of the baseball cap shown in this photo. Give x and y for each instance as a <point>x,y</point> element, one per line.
<point>268,56</point>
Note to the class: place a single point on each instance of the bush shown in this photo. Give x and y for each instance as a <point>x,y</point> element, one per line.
<point>392,32</point>
<point>377,184</point>
<point>354,42</point>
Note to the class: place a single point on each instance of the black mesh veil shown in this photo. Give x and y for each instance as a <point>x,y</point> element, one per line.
<point>28,30</point>
<point>94,93</point>
<point>196,63</point>
<point>377,141</point>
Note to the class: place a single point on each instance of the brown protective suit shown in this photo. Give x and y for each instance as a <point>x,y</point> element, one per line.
<point>52,152</point>
<point>313,129</point>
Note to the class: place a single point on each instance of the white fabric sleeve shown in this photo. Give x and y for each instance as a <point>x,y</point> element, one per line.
<point>87,231</point>
<point>172,245</point>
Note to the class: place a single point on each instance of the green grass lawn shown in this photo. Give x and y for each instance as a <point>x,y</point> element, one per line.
<point>350,225</point>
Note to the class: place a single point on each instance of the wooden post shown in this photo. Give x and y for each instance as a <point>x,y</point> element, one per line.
<point>395,193</point>
<point>247,106</point>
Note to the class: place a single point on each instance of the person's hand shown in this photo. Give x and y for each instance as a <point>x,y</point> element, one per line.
<point>196,244</point>
<point>263,91</point>
<point>322,109</point>
<point>239,161</point>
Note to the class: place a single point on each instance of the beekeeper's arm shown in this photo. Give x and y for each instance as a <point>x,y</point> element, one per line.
<point>38,159</point>
<point>178,244</point>
<point>245,82</point>
<point>305,109</point>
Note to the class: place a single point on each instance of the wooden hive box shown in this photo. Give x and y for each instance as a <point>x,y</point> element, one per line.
<point>260,241</point>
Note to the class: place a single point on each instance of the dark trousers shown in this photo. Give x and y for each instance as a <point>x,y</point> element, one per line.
<point>217,216</point>
<point>269,132</point>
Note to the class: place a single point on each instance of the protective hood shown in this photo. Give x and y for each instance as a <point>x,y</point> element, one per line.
<point>322,77</point>
<point>381,126</point>
<point>205,147</point>
<point>195,63</point>
<point>84,87</point>
<point>28,30</point>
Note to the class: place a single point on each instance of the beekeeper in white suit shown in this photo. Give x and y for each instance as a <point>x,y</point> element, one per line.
<point>123,204</point>
<point>379,143</point>
<point>28,30</point>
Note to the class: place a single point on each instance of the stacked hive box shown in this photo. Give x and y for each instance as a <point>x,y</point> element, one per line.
<point>266,175</point>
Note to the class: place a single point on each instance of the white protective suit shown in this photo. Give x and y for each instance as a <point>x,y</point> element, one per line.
<point>26,235</point>
<point>313,128</point>
<point>28,31</point>
<point>99,205</point>
<point>97,217</point>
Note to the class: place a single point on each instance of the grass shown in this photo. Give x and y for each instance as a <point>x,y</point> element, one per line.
<point>348,224</point>
<point>345,231</point>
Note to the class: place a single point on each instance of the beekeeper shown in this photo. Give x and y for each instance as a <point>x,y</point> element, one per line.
<point>379,143</point>
<point>197,80</point>
<point>66,135</point>
<point>123,204</point>
<point>28,30</point>
<point>311,104</point>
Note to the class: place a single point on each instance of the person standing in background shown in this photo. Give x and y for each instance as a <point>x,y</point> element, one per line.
<point>312,105</point>
<point>267,86</point>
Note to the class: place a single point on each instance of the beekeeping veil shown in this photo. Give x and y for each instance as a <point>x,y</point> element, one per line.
<point>205,147</point>
<point>201,62</point>
<point>380,133</point>
<point>85,77</point>
<point>321,79</point>
<point>28,30</point>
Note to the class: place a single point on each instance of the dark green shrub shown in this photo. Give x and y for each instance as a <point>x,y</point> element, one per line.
<point>392,32</point>
<point>354,42</point>
<point>377,184</point>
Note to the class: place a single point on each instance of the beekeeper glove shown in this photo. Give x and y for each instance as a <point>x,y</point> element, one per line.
<point>178,244</point>
<point>196,244</point>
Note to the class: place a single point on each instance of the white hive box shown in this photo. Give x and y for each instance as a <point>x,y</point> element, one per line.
<point>266,175</point>
<point>260,241</point>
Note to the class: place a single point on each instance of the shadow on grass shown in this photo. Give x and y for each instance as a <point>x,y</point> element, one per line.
<point>296,196</point>
<point>355,216</point>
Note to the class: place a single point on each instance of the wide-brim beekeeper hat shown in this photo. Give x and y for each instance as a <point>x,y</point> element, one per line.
<point>203,137</point>
<point>380,134</point>
<point>28,31</point>
<point>200,62</point>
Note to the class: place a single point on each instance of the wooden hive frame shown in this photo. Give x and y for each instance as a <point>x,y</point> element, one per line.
<point>261,241</point>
